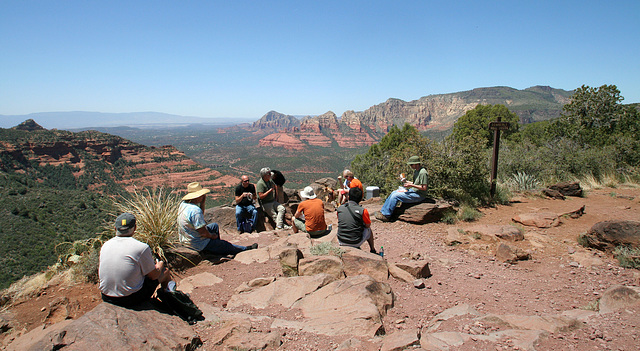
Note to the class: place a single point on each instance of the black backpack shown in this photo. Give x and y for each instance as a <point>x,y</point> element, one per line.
<point>180,304</point>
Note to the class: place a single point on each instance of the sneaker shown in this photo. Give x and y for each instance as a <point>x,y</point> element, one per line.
<point>329,228</point>
<point>285,227</point>
<point>252,246</point>
<point>379,216</point>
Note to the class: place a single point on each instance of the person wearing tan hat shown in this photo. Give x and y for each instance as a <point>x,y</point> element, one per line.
<point>416,192</point>
<point>128,273</point>
<point>195,232</point>
<point>309,217</point>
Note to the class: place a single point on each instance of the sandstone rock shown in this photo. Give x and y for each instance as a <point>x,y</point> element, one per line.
<point>506,253</point>
<point>455,237</point>
<point>540,220</point>
<point>199,280</point>
<point>237,334</point>
<point>574,214</point>
<point>356,262</point>
<point>353,306</point>
<point>419,284</point>
<point>609,234</point>
<point>568,188</point>
<point>400,274</point>
<point>135,329</point>
<point>330,265</point>
<point>423,212</point>
<point>289,259</point>
<point>442,340</point>
<point>417,269</point>
<point>505,232</point>
<point>260,255</point>
<point>285,291</point>
<point>180,257</point>
<point>254,283</point>
<point>554,194</point>
<point>400,340</point>
<point>548,323</point>
<point>618,297</point>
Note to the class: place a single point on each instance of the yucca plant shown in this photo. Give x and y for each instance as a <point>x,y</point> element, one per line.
<point>522,181</point>
<point>156,212</point>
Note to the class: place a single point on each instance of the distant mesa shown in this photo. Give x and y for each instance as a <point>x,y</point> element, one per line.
<point>28,125</point>
<point>434,112</point>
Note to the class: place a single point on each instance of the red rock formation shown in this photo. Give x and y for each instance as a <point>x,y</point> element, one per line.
<point>282,140</point>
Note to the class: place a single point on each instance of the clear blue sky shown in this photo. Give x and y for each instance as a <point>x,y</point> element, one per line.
<point>243,58</point>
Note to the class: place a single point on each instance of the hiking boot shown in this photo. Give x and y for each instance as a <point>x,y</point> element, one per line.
<point>379,216</point>
<point>252,246</point>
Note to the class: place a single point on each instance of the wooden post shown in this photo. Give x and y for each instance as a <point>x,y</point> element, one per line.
<point>496,126</point>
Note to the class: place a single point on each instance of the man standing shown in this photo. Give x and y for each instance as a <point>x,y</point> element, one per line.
<point>245,195</point>
<point>309,217</point>
<point>354,224</point>
<point>416,193</point>
<point>195,232</point>
<point>266,189</point>
<point>128,273</point>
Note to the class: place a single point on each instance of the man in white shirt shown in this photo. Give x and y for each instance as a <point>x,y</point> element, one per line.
<point>128,273</point>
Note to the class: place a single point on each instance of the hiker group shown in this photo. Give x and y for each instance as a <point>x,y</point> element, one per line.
<point>129,274</point>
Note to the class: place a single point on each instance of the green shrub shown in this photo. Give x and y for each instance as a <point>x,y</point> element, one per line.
<point>628,257</point>
<point>522,181</point>
<point>468,213</point>
<point>326,248</point>
<point>450,217</point>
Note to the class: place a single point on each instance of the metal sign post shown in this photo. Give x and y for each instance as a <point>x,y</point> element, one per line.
<point>496,126</point>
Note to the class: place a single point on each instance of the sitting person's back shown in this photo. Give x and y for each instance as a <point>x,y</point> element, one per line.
<point>354,224</point>
<point>128,272</point>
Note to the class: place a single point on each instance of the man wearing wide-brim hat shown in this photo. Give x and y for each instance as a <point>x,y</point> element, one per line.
<point>309,218</point>
<point>193,229</point>
<point>411,192</point>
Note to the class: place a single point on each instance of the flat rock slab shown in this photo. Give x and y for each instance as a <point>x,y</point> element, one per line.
<point>353,306</point>
<point>199,280</point>
<point>539,220</point>
<point>283,291</point>
<point>619,297</point>
<point>423,212</point>
<point>400,340</point>
<point>109,327</point>
<point>505,232</point>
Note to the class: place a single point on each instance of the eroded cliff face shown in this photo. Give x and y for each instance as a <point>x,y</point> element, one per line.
<point>277,121</point>
<point>101,156</point>
<point>355,129</point>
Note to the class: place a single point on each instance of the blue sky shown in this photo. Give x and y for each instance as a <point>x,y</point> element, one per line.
<point>243,58</point>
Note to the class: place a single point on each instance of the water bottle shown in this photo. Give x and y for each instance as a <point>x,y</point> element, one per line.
<point>382,251</point>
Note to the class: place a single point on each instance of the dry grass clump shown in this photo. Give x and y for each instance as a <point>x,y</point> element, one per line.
<point>156,212</point>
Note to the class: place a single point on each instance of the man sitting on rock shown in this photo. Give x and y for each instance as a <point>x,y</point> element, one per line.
<point>266,189</point>
<point>195,232</point>
<point>245,195</point>
<point>309,218</point>
<point>416,193</point>
<point>128,273</point>
<point>354,224</point>
<point>349,182</point>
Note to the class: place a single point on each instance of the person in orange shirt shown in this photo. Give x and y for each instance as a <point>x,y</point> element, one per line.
<point>349,182</point>
<point>309,218</point>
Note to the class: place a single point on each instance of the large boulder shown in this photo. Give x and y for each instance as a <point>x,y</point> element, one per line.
<point>609,234</point>
<point>568,188</point>
<point>352,306</point>
<point>357,262</point>
<point>110,327</point>
<point>331,265</point>
<point>424,212</point>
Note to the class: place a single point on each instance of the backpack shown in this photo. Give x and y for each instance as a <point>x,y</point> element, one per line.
<point>246,225</point>
<point>181,305</point>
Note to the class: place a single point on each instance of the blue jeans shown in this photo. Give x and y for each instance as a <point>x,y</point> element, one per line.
<point>219,246</point>
<point>408,197</point>
<point>250,211</point>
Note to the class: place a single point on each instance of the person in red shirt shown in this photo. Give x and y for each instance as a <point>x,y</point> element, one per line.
<point>349,182</point>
